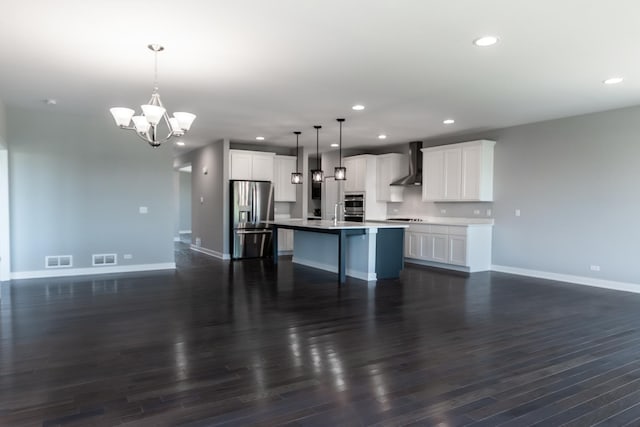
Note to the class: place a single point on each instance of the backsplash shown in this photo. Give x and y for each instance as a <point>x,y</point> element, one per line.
<point>413,206</point>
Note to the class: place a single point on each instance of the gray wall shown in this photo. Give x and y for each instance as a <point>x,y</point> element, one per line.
<point>76,184</point>
<point>575,182</point>
<point>3,126</point>
<point>209,218</point>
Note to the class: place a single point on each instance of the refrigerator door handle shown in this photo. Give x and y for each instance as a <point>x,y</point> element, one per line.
<point>254,232</point>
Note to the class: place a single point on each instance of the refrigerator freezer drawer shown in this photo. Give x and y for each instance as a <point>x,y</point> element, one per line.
<point>252,243</point>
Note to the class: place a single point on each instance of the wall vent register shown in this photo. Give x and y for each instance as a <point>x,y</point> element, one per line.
<point>104,259</point>
<point>58,261</point>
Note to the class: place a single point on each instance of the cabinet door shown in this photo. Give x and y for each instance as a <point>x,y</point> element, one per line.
<point>262,167</point>
<point>437,247</point>
<point>361,176</point>
<point>471,172</point>
<point>383,172</point>
<point>284,190</point>
<point>452,173</point>
<point>457,250</point>
<point>240,165</point>
<point>350,184</point>
<point>433,175</point>
<point>415,250</point>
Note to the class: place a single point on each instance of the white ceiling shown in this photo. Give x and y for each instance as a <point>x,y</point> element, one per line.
<point>256,67</point>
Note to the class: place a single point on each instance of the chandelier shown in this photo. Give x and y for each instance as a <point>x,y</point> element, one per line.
<point>153,114</point>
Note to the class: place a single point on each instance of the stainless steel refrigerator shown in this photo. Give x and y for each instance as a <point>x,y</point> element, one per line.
<point>251,206</point>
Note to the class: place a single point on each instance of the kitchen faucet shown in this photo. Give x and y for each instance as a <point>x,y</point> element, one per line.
<point>335,212</point>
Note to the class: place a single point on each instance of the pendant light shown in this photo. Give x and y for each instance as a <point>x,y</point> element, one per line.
<point>317,175</point>
<point>340,172</point>
<point>296,177</point>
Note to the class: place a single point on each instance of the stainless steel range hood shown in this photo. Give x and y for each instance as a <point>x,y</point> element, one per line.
<point>415,166</point>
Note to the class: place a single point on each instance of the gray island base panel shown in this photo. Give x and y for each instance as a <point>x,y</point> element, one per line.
<point>367,251</point>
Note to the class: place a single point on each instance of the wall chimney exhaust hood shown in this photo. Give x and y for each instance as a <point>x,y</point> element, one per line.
<point>415,166</point>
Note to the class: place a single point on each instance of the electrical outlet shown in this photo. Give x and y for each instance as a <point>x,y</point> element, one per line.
<point>198,242</point>
<point>143,210</point>
<point>488,212</point>
<point>127,256</point>
<point>395,210</point>
<point>201,199</point>
<point>594,268</point>
<point>517,212</point>
<point>443,211</point>
<point>476,211</point>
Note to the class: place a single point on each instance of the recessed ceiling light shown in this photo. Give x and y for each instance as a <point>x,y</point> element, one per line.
<point>613,81</point>
<point>485,41</point>
<point>260,138</point>
<point>180,143</point>
<point>448,121</point>
<point>382,136</point>
<point>358,107</point>
<point>50,101</point>
<point>335,145</point>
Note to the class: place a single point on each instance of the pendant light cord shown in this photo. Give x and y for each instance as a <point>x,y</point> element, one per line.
<point>340,149</point>
<point>155,70</point>
<point>297,151</point>
<point>317,147</point>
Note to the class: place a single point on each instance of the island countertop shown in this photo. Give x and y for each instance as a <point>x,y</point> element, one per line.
<point>330,225</point>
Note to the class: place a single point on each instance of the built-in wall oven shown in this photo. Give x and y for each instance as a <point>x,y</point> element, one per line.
<point>354,207</point>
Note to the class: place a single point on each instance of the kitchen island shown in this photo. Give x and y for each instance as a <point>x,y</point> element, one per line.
<point>364,250</point>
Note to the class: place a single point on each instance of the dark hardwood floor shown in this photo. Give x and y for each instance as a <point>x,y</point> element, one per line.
<point>219,343</point>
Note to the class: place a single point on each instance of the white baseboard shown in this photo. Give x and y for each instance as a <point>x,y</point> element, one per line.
<point>334,269</point>
<point>184,231</point>
<point>38,274</point>
<point>211,252</point>
<point>579,280</point>
<point>438,265</point>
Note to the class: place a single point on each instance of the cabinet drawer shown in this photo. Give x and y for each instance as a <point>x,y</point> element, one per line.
<point>457,231</point>
<point>439,229</point>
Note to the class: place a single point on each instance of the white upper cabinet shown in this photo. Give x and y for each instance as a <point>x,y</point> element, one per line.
<point>390,167</point>
<point>458,172</point>
<point>284,190</point>
<point>356,173</point>
<point>251,165</point>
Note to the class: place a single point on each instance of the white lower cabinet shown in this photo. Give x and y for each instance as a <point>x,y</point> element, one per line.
<point>465,247</point>
<point>285,240</point>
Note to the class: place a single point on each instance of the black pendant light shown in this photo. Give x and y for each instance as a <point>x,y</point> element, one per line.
<point>296,177</point>
<point>340,172</point>
<point>317,175</point>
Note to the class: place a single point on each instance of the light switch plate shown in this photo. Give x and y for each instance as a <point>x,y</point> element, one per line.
<point>143,209</point>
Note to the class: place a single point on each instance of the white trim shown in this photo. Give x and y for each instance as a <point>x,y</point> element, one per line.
<point>176,239</point>
<point>210,252</point>
<point>285,252</point>
<point>334,269</point>
<point>184,231</point>
<point>36,274</point>
<point>438,265</point>
<point>5,244</point>
<point>580,280</point>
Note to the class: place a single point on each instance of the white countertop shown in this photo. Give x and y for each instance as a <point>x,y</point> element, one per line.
<point>445,221</point>
<point>340,225</point>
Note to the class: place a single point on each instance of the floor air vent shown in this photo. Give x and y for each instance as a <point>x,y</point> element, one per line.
<point>104,259</point>
<point>58,261</point>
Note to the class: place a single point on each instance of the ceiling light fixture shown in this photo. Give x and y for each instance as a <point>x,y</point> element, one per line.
<point>260,138</point>
<point>358,107</point>
<point>485,41</point>
<point>146,124</point>
<point>317,175</point>
<point>382,136</point>
<point>180,143</point>
<point>296,177</point>
<point>340,172</point>
<point>613,80</point>
<point>448,121</point>
<point>334,145</point>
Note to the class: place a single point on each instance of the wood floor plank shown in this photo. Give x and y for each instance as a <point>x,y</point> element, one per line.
<point>245,343</point>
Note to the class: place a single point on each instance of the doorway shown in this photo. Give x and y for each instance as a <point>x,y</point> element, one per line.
<point>183,217</point>
<point>5,243</point>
